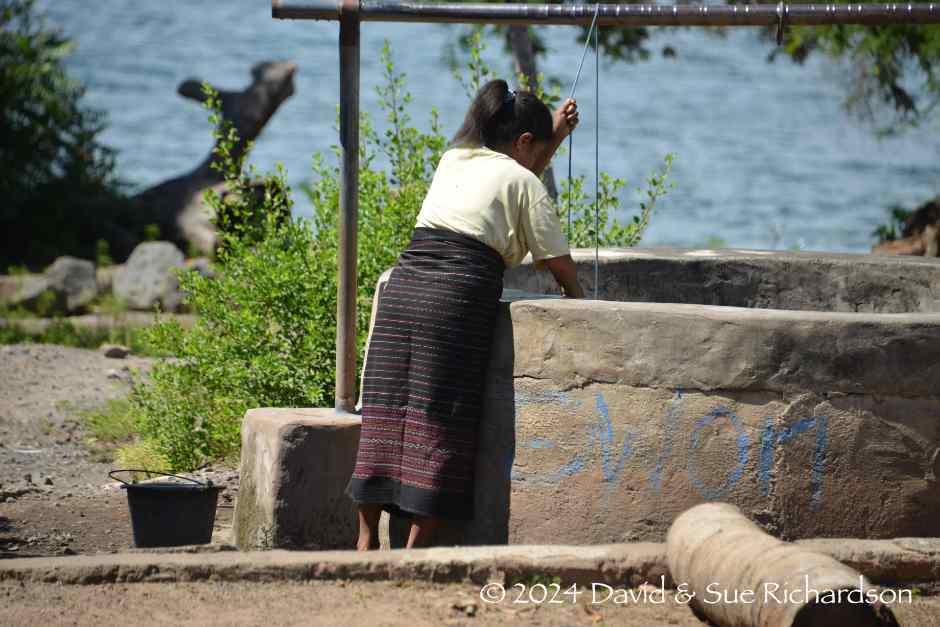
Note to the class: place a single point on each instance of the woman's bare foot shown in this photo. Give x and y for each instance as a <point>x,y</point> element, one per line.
<point>368,527</point>
<point>422,532</point>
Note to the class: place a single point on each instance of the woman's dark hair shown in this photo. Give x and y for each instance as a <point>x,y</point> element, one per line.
<point>497,116</point>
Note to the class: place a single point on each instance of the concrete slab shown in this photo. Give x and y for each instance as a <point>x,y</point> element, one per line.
<point>814,281</point>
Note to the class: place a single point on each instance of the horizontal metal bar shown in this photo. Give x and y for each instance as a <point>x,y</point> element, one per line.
<point>615,14</point>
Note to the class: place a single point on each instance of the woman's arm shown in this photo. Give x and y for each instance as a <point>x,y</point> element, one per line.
<point>566,273</point>
<point>564,119</point>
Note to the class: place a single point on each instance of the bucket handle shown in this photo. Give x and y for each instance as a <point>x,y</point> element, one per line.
<point>155,472</point>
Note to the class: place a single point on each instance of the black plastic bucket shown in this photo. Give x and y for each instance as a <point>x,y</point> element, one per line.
<point>167,513</point>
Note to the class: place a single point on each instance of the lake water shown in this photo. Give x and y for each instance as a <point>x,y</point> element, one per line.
<point>765,155</point>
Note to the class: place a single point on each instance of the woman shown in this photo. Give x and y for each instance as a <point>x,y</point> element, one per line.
<point>423,379</point>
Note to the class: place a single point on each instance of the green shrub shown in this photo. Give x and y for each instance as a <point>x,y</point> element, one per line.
<point>62,332</point>
<point>151,232</point>
<point>60,195</point>
<point>265,334</point>
<point>140,455</point>
<point>265,329</point>
<point>103,254</point>
<point>111,423</point>
<point>612,234</point>
<point>894,228</point>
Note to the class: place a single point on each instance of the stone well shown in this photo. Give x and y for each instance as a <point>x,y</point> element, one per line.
<point>802,387</point>
<point>752,377</point>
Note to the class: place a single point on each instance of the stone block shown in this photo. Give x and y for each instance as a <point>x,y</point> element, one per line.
<point>295,464</point>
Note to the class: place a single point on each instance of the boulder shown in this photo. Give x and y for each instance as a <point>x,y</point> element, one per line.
<point>146,279</point>
<point>67,285</point>
<point>29,291</point>
<point>73,280</point>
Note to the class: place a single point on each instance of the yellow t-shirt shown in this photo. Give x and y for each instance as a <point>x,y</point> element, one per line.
<point>491,197</point>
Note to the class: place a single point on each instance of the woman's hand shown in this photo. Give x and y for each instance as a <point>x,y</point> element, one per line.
<point>566,274</point>
<point>565,118</point>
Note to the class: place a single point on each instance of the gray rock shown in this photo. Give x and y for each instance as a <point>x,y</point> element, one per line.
<point>9,286</point>
<point>30,291</point>
<point>74,279</point>
<point>146,279</point>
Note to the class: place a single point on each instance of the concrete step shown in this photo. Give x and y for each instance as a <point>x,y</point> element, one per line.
<point>893,561</point>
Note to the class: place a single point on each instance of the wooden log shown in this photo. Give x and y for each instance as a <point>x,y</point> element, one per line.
<point>743,577</point>
<point>913,245</point>
<point>920,235</point>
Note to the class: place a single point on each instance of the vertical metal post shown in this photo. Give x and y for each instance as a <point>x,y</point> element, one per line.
<point>348,206</point>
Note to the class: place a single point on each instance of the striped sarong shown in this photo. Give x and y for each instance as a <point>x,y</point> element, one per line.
<point>423,380</point>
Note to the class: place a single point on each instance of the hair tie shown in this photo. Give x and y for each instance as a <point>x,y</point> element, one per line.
<point>510,100</point>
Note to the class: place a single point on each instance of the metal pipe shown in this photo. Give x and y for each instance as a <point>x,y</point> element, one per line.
<point>616,14</point>
<point>346,267</point>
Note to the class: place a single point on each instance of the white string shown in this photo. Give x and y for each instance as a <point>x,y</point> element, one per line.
<point>597,138</point>
<point>587,43</point>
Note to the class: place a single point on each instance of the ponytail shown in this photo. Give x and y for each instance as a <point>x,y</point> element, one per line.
<point>498,115</point>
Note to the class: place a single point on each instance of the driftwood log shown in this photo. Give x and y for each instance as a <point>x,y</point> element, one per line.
<point>743,577</point>
<point>920,236</point>
<point>176,205</point>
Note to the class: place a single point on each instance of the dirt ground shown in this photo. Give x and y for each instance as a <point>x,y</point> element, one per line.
<point>43,388</point>
<point>336,603</point>
<point>313,603</point>
<point>55,494</point>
